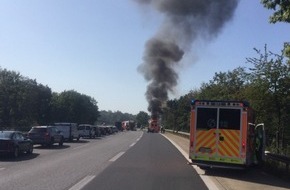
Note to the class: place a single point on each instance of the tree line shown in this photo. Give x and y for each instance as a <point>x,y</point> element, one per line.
<point>265,84</point>
<point>24,103</point>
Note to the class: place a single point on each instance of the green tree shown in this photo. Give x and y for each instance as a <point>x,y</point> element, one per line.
<point>225,86</point>
<point>269,93</point>
<point>71,106</point>
<point>281,10</point>
<point>281,14</point>
<point>23,102</point>
<point>109,117</point>
<point>169,116</point>
<point>142,118</point>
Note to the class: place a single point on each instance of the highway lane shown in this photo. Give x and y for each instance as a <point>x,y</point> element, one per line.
<point>227,179</point>
<point>60,168</point>
<point>152,163</point>
<point>107,162</point>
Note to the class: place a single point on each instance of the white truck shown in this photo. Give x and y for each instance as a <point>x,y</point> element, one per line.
<point>86,131</point>
<point>69,130</point>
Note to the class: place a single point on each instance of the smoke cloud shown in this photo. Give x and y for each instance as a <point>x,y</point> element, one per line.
<point>184,22</point>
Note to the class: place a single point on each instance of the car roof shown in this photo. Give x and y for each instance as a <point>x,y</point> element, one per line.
<point>85,125</point>
<point>43,126</point>
<point>8,131</point>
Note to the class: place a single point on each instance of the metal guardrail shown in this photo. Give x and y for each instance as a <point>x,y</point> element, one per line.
<point>279,158</point>
<point>179,133</point>
<point>274,157</point>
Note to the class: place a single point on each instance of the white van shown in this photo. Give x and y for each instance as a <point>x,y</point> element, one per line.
<point>69,130</point>
<point>86,131</point>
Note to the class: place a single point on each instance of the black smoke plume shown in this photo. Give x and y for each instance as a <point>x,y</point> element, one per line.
<point>184,22</point>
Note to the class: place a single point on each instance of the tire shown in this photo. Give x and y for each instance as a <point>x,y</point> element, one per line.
<point>16,152</point>
<point>51,142</point>
<point>60,142</point>
<point>30,150</point>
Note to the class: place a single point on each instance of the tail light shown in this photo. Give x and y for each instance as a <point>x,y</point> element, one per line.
<point>46,136</point>
<point>243,145</point>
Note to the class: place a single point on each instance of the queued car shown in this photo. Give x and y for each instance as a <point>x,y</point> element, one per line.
<point>103,130</point>
<point>14,143</point>
<point>97,130</point>
<point>46,135</point>
<point>69,131</point>
<point>86,131</point>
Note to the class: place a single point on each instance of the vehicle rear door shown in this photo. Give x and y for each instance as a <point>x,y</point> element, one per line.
<point>56,134</point>
<point>228,133</point>
<point>217,133</point>
<point>205,144</point>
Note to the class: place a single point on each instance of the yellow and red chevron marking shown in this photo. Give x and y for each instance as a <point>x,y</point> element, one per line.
<point>205,139</point>
<point>229,146</point>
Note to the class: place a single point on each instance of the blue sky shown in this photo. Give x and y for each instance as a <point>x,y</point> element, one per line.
<point>95,47</point>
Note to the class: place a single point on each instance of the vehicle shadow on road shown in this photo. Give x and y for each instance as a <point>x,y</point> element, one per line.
<point>54,147</point>
<point>79,141</point>
<point>21,157</point>
<point>253,175</point>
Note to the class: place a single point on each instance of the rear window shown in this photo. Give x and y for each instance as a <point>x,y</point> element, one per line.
<point>81,127</point>
<point>5,135</point>
<point>84,127</point>
<point>230,119</point>
<point>206,118</point>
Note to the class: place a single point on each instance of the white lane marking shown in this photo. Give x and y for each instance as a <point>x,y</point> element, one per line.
<point>132,144</point>
<point>2,169</point>
<point>82,183</point>
<point>116,157</point>
<point>140,136</point>
<point>208,182</point>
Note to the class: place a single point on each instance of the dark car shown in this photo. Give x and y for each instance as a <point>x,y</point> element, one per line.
<point>103,130</point>
<point>45,135</point>
<point>14,143</point>
<point>97,130</point>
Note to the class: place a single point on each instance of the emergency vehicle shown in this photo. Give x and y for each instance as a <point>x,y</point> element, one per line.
<point>222,134</point>
<point>153,126</point>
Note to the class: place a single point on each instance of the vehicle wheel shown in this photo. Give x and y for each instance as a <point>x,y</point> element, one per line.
<point>16,152</point>
<point>30,150</point>
<point>61,142</point>
<point>51,142</point>
<point>78,138</point>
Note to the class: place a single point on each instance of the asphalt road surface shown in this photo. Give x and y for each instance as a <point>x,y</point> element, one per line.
<point>152,163</point>
<point>230,179</point>
<point>60,168</point>
<point>126,160</point>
